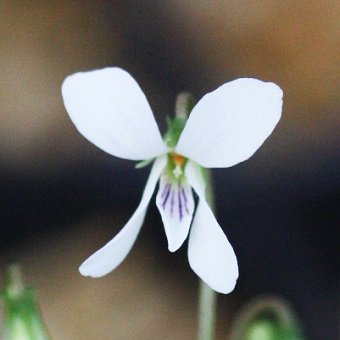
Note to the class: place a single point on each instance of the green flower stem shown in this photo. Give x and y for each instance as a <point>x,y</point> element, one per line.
<point>207,298</point>
<point>206,312</point>
<point>184,104</point>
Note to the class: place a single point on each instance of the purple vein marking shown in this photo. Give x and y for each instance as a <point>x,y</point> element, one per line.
<point>165,189</point>
<point>185,200</point>
<point>166,193</point>
<point>172,201</point>
<point>180,205</point>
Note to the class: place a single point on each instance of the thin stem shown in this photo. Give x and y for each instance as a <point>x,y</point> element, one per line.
<point>206,312</point>
<point>207,297</point>
<point>184,104</point>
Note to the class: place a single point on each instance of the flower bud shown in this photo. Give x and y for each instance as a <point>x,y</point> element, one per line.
<point>266,318</point>
<point>22,317</point>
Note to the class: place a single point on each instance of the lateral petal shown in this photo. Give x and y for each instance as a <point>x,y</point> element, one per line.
<point>114,252</point>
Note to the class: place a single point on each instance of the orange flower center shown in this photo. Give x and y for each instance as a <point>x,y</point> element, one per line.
<point>178,159</point>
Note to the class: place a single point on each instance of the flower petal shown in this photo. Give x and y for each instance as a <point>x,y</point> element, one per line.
<point>210,254</point>
<point>228,125</point>
<point>176,205</point>
<point>110,110</point>
<point>113,253</point>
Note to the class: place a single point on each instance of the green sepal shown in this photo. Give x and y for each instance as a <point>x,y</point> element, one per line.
<point>143,164</point>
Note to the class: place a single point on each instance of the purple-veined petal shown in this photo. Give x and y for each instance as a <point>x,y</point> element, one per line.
<point>108,107</point>
<point>228,125</point>
<point>114,252</point>
<point>176,205</point>
<point>210,254</point>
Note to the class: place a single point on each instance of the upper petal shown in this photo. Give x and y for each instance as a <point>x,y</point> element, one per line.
<point>176,205</point>
<point>210,254</point>
<point>114,252</point>
<point>110,110</point>
<point>229,124</point>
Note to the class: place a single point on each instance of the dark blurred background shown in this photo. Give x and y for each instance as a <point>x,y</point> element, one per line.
<point>62,198</point>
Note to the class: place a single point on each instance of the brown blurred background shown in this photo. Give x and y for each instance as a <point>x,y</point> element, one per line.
<point>62,198</point>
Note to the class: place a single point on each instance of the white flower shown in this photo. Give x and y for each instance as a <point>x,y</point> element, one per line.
<point>226,127</point>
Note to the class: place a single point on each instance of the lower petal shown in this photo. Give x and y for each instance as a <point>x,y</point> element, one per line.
<point>210,254</point>
<point>175,203</point>
<point>114,252</point>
